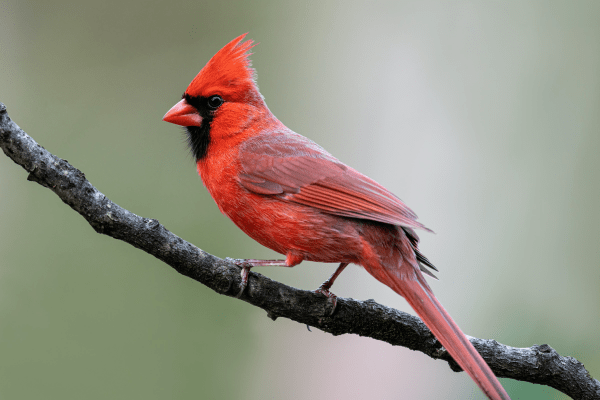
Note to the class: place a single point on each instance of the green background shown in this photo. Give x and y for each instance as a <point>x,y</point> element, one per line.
<point>482,116</point>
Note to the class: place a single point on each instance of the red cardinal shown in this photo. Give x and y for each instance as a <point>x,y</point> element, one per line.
<point>292,196</point>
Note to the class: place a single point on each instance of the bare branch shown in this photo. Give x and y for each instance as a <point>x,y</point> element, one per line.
<point>536,364</point>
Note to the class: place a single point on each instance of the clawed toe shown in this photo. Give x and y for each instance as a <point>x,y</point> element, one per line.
<point>332,297</point>
<point>245,272</point>
<point>246,266</point>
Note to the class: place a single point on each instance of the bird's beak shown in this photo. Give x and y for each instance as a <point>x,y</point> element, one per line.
<point>183,114</point>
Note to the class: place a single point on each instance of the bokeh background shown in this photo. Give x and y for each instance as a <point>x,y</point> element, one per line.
<point>482,116</point>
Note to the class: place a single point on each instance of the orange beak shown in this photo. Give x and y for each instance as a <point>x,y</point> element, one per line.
<point>183,114</point>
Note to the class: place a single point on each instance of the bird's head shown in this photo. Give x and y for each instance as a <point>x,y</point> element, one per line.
<point>220,99</point>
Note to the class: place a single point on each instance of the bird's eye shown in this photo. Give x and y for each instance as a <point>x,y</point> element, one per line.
<point>215,102</point>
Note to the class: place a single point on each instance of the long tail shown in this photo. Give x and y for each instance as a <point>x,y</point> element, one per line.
<point>412,286</point>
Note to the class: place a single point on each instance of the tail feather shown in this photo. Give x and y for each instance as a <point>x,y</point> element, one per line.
<point>421,298</point>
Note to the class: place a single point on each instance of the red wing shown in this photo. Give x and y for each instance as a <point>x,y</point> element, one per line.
<point>297,170</point>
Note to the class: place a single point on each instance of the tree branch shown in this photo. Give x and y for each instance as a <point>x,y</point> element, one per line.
<point>536,364</point>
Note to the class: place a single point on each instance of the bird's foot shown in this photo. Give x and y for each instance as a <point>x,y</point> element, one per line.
<point>324,290</point>
<point>247,264</point>
<point>244,283</point>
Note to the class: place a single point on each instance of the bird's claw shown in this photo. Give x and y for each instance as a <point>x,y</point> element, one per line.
<point>245,272</point>
<point>246,266</point>
<point>324,290</point>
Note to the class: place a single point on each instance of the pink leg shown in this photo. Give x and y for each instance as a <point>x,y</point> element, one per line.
<point>247,264</point>
<point>324,288</point>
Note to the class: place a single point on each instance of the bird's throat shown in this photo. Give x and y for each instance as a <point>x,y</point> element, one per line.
<point>198,138</point>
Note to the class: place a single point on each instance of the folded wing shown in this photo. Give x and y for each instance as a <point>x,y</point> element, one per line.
<point>295,169</point>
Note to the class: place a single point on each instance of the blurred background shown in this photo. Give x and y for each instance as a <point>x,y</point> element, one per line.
<point>482,116</point>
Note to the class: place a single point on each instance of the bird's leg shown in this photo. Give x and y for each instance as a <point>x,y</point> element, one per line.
<point>247,264</point>
<point>324,288</point>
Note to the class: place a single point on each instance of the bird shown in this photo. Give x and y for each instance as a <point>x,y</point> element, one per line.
<point>292,196</point>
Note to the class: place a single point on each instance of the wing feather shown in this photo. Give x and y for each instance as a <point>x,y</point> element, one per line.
<point>297,170</point>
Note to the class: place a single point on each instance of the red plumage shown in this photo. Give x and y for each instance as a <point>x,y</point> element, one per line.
<point>292,196</point>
